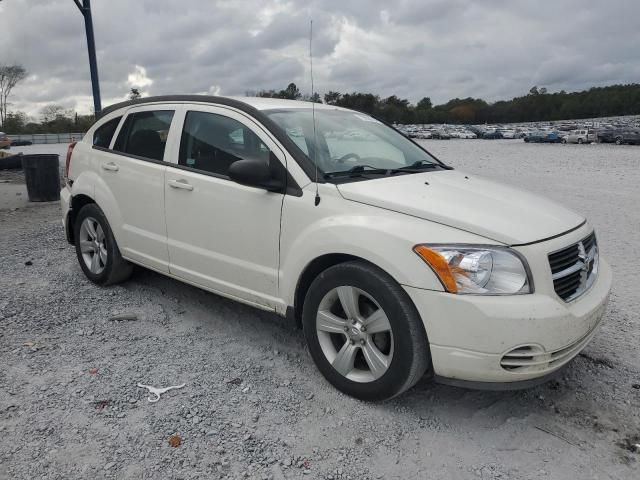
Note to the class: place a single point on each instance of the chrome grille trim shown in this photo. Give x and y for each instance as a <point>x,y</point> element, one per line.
<point>574,268</point>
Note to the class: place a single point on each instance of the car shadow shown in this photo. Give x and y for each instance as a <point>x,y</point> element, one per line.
<point>427,401</point>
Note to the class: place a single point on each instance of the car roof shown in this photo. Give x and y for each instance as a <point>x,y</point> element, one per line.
<point>244,103</point>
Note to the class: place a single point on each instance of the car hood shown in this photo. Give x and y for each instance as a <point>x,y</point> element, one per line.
<point>468,202</point>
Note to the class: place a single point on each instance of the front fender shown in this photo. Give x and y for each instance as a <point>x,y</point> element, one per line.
<point>381,237</point>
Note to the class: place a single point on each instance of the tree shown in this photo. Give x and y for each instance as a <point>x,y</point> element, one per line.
<point>332,98</point>
<point>291,92</point>
<point>15,122</point>
<point>424,104</point>
<point>134,94</point>
<point>51,112</point>
<point>10,76</point>
<point>534,90</point>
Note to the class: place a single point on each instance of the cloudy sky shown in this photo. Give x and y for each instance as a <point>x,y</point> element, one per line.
<point>491,49</point>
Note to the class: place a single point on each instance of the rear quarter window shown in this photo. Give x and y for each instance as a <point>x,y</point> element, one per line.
<point>104,133</point>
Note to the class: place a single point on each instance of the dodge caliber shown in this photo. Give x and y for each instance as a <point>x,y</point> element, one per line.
<point>394,264</point>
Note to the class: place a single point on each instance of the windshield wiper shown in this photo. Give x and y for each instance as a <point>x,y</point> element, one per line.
<point>358,170</point>
<point>417,166</point>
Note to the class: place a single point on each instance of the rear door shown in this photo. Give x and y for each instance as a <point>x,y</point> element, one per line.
<point>222,235</point>
<point>132,173</point>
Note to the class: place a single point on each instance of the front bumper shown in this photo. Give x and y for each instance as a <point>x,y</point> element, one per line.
<point>469,335</point>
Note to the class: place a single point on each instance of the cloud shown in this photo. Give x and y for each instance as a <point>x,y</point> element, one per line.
<point>412,48</point>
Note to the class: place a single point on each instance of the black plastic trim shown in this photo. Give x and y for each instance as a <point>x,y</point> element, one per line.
<point>499,386</point>
<point>301,159</point>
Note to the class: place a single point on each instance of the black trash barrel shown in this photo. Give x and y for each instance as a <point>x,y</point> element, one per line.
<point>42,175</point>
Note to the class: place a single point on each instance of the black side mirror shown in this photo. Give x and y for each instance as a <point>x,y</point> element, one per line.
<point>254,173</point>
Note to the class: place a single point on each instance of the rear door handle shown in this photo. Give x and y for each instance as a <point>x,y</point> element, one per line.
<point>110,166</point>
<point>182,184</point>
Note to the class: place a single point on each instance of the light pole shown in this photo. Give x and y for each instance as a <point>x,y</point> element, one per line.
<point>85,9</point>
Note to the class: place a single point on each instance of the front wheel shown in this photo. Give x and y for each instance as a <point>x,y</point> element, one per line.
<point>619,141</point>
<point>364,333</point>
<point>96,248</point>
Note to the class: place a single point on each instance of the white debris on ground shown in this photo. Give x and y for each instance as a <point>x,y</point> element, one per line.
<point>256,407</point>
<point>155,393</point>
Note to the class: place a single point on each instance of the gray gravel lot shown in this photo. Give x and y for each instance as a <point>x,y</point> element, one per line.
<point>254,406</point>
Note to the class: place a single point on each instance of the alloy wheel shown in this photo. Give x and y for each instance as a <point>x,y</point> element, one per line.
<point>354,334</point>
<point>93,245</point>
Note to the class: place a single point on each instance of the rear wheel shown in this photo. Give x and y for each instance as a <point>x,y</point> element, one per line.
<point>580,141</point>
<point>364,333</point>
<point>618,140</point>
<point>96,248</point>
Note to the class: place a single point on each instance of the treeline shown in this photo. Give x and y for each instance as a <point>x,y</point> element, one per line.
<point>54,119</point>
<point>537,105</point>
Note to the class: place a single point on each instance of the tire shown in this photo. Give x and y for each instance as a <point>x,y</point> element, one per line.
<point>400,353</point>
<point>564,140</point>
<point>580,141</point>
<point>100,261</point>
<point>618,140</point>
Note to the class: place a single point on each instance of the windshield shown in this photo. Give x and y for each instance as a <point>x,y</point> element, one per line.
<point>347,140</point>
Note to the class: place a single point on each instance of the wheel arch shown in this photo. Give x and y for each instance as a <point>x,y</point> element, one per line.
<point>77,202</point>
<point>311,271</point>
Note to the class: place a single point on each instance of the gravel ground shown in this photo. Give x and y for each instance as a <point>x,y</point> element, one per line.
<point>254,406</point>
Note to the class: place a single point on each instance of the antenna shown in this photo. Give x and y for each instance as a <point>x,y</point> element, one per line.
<point>313,111</point>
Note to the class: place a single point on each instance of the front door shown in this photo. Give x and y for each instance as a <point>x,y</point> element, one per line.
<point>222,235</point>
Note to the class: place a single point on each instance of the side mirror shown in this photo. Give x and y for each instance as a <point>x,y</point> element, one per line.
<point>254,173</point>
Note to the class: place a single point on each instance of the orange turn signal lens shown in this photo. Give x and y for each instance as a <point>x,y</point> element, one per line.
<point>439,265</point>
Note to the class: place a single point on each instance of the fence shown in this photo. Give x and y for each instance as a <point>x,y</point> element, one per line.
<point>41,138</point>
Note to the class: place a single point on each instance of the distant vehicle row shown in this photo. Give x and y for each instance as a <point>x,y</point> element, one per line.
<point>6,142</point>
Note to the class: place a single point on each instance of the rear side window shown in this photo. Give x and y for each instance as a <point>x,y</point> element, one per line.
<point>103,134</point>
<point>144,134</point>
<point>212,142</point>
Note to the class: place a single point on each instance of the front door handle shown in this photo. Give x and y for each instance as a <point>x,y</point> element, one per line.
<point>110,166</point>
<point>182,184</point>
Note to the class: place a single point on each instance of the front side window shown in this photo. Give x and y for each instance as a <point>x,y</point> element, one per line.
<point>346,140</point>
<point>144,134</point>
<point>104,133</point>
<point>212,142</point>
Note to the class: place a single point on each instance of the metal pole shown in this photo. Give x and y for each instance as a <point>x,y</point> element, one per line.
<point>85,9</point>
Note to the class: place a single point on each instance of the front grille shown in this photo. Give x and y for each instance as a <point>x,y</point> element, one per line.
<point>574,268</point>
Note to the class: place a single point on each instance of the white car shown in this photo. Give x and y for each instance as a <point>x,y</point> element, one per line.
<point>394,264</point>
<point>580,136</point>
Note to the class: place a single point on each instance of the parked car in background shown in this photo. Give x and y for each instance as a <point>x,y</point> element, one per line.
<point>4,140</point>
<point>606,135</point>
<point>440,135</point>
<point>628,136</point>
<point>508,133</point>
<point>543,137</point>
<point>580,136</point>
<point>21,143</point>
<point>474,289</point>
<point>492,135</point>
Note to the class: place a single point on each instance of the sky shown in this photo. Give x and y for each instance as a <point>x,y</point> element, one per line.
<point>492,49</point>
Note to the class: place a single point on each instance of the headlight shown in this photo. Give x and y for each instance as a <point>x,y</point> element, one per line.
<point>477,270</point>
